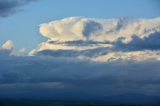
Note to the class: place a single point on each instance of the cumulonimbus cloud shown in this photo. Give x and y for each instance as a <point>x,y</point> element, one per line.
<point>95,39</point>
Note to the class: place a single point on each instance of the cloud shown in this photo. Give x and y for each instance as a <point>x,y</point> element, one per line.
<point>21,51</point>
<point>8,45</point>
<point>52,85</point>
<point>151,42</point>
<point>135,56</point>
<point>6,49</point>
<point>79,28</point>
<point>9,7</point>
<point>64,30</point>
<point>118,37</point>
<point>100,39</point>
<point>103,55</point>
<point>43,75</point>
<point>5,53</point>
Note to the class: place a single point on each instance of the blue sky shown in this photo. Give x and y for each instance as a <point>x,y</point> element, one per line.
<point>23,27</point>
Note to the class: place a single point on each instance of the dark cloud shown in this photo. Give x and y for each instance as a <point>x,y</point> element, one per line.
<point>152,42</point>
<point>4,53</point>
<point>9,7</point>
<point>20,75</point>
<point>91,27</point>
<point>74,53</point>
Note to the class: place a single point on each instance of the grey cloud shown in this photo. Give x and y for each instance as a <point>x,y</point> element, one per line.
<point>91,27</point>
<point>4,53</point>
<point>21,74</point>
<point>74,53</point>
<point>9,7</point>
<point>79,43</point>
<point>62,78</point>
<point>152,42</point>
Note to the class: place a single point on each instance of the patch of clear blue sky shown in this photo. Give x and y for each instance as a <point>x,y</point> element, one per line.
<point>23,27</point>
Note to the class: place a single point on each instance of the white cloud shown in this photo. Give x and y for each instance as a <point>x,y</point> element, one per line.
<point>21,51</point>
<point>6,49</point>
<point>79,28</point>
<point>129,56</point>
<point>8,45</point>
<point>64,30</point>
<point>75,46</point>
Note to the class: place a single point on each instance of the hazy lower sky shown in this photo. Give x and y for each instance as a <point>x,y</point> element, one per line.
<point>22,27</point>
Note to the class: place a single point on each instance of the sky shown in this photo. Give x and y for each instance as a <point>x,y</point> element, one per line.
<point>22,27</point>
<point>105,50</point>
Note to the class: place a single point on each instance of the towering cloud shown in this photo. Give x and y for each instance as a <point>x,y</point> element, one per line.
<point>78,28</point>
<point>101,39</point>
